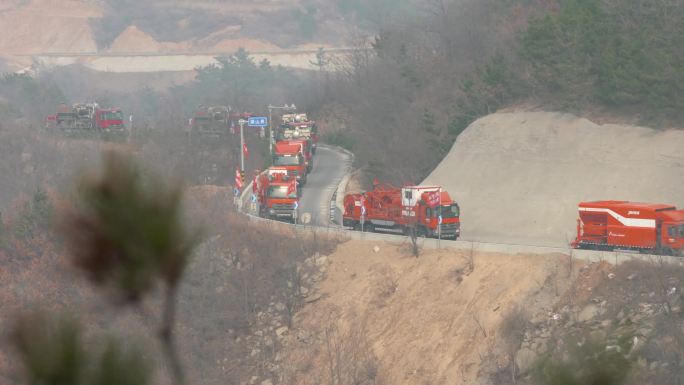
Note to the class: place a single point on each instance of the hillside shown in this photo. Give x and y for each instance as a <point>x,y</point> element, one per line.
<point>518,176</point>
<point>418,321</point>
<point>47,26</point>
<point>83,26</point>
<point>383,317</point>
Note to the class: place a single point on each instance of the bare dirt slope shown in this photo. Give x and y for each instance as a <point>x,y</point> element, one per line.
<point>132,39</point>
<point>405,320</point>
<point>47,26</point>
<point>518,176</point>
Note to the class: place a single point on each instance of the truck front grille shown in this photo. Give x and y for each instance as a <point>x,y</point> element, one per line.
<point>280,207</point>
<point>450,229</point>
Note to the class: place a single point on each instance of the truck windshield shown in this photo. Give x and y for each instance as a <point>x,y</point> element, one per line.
<point>448,211</point>
<point>280,192</point>
<point>113,115</point>
<point>286,160</point>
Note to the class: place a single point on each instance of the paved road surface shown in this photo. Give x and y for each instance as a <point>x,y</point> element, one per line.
<point>329,168</point>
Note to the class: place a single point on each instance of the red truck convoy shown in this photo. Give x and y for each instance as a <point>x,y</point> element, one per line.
<point>277,194</point>
<point>643,227</point>
<point>390,209</point>
<point>291,157</point>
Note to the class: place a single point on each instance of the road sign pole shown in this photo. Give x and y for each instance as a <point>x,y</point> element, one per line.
<point>439,221</point>
<point>270,132</point>
<point>363,215</point>
<point>242,145</point>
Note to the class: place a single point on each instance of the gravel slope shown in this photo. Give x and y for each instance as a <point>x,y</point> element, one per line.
<point>518,176</point>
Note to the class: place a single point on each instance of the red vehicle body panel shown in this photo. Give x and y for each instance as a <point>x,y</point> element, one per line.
<point>623,224</point>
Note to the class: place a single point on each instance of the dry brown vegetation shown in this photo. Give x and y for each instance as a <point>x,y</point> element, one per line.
<point>237,275</point>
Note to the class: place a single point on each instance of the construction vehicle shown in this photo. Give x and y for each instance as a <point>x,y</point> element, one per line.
<point>644,227</point>
<point>85,116</point>
<point>291,157</point>
<point>427,210</point>
<point>277,194</point>
<point>306,149</point>
<point>210,120</point>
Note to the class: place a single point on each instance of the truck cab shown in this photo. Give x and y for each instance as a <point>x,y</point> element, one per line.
<point>306,149</point>
<point>290,157</point>
<point>51,121</point>
<point>671,229</point>
<point>277,195</point>
<point>109,119</point>
<point>436,214</point>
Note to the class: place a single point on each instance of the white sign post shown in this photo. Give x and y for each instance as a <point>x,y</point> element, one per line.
<point>242,122</point>
<point>439,219</point>
<point>295,212</point>
<point>363,215</point>
<point>254,203</point>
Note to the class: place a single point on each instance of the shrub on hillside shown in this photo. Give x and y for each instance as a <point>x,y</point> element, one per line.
<point>620,54</point>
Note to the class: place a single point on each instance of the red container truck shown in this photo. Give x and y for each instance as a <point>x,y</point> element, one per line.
<point>643,227</point>
<point>390,209</point>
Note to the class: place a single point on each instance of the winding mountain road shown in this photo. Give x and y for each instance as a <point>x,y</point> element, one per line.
<point>329,168</point>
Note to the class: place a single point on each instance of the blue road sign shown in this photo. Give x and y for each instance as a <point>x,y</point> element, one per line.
<point>236,191</point>
<point>257,121</point>
<point>296,205</point>
<point>439,219</point>
<point>254,198</point>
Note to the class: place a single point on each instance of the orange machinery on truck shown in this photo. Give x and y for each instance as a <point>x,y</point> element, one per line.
<point>390,209</point>
<point>277,194</point>
<point>643,227</point>
<point>291,156</point>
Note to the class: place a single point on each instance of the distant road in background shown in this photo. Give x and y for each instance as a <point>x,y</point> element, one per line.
<point>174,62</point>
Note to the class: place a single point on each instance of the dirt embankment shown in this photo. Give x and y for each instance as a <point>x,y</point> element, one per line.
<point>388,318</point>
<point>519,176</point>
<point>47,26</point>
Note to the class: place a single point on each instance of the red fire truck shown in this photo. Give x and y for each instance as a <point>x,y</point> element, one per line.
<point>84,116</point>
<point>306,149</point>
<point>277,194</point>
<point>390,209</point>
<point>290,156</point>
<point>644,227</point>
